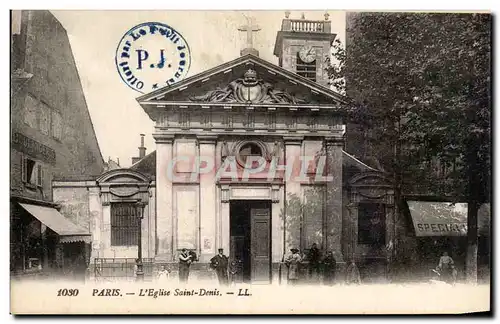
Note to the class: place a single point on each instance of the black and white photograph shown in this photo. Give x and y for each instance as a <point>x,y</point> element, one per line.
<point>250,162</point>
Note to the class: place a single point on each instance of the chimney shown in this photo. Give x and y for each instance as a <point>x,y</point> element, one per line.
<point>142,151</point>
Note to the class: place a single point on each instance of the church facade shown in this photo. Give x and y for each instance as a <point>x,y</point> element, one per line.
<point>249,158</point>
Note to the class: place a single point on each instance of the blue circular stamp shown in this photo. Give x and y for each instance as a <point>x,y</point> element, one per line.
<point>152,55</point>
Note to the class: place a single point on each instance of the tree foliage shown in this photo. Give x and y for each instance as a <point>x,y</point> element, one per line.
<point>420,85</point>
<point>420,88</point>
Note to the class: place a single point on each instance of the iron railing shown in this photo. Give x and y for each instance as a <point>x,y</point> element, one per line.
<point>114,269</point>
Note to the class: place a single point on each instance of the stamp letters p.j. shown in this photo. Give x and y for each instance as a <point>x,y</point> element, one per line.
<point>152,55</point>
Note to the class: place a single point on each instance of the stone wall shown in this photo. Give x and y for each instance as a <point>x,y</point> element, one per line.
<point>50,108</point>
<point>292,46</point>
<point>74,205</point>
<point>81,203</point>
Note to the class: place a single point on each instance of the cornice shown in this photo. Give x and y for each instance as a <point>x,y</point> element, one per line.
<point>161,138</point>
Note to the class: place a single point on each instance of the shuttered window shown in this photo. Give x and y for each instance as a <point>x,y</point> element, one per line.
<point>124,224</point>
<point>23,169</point>
<point>39,175</point>
<point>32,172</point>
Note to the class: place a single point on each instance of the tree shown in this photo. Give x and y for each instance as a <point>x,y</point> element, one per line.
<point>420,84</point>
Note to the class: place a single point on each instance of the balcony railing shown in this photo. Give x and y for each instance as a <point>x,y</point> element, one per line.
<point>308,26</point>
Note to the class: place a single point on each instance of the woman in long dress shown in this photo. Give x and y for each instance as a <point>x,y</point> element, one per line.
<point>353,276</point>
<point>293,262</point>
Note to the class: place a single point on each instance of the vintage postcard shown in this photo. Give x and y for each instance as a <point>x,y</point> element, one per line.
<point>250,162</point>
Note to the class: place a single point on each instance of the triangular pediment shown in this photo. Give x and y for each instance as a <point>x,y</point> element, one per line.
<point>247,79</point>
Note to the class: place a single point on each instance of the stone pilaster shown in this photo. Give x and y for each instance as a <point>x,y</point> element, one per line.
<point>95,209</point>
<point>151,223</point>
<point>351,235</point>
<point>208,199</point>
<point>164,214</point>
<point>333,223</point>
<point>292,221</point>
<point>106,229</point>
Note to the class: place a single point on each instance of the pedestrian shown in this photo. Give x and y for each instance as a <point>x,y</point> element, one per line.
<point>313,256</point>
<point>352,275</point>
<point>219,263</point>
<point>163,274</point>
<point>136,268</point>
<point>329,269</point>
<point>293,262</point>
<point>184,264</point>
<point>446,267</point>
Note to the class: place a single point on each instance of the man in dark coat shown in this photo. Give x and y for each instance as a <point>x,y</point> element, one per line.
<point>313,257</point>
<point>329,268</point>
<point>184,264</point>
<point>219,263</point>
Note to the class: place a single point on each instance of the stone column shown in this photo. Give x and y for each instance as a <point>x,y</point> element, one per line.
<point>292,221</point>
<point>208,199</point>
<point>333,225</point>
<point>164,215</point>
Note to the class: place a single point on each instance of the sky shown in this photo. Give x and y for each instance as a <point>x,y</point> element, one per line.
<point>213,38</point>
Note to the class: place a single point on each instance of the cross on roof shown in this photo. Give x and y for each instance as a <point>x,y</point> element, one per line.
<point>249,28</point>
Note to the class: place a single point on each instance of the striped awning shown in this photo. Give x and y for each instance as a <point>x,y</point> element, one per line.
<point>68,231</point>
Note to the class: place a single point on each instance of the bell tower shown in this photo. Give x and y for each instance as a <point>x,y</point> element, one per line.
<point>302,46</point>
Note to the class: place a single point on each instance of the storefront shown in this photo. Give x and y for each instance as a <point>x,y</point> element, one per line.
<point>442,227</point>
<point>46,244</point>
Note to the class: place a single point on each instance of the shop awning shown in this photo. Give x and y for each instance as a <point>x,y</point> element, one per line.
<point>445,219</point>
<point>50,217</point>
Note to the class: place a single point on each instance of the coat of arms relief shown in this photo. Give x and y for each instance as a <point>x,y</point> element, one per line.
<point>248,89</point>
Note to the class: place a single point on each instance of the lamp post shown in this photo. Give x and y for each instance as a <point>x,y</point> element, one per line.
<point>140,214</point>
